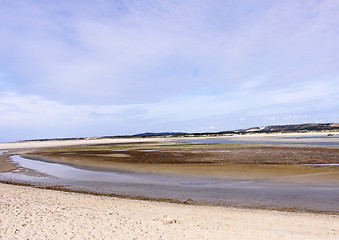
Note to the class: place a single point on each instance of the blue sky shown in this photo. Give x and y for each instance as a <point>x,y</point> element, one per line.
<point>94,68</point>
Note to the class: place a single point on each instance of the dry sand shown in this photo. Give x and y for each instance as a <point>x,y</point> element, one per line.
<point>63,143</point>
<point>30,213</point>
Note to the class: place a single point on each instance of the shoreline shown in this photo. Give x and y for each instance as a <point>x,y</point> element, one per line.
<point>187,202</point>
<point>41,213</point>
<point>235,170</point>
<point>269,177</point>
<point>50,212</point>
<point>237,190</point>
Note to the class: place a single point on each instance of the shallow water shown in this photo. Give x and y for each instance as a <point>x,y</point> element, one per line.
<point>323,164</point>
<point>324,141</point>
<point>225,191</point>
<point>2,152</point>
<point>308,137</point>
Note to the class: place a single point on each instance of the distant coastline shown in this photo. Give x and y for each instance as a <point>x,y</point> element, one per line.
<point>330,128</point>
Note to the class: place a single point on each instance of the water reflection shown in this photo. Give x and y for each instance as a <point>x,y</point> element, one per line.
<point>225,191</point>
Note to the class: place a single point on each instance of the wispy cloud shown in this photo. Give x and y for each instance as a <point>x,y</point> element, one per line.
<point>170,62</point>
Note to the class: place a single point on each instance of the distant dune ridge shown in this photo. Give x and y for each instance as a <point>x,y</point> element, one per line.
<point>294,127</point>
<point>290,128</point>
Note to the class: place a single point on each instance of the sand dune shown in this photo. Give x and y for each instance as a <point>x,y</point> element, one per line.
<point>30,213</point>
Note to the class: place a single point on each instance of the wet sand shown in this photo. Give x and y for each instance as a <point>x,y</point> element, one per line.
<point>257,176</point>
<point>239,161</point>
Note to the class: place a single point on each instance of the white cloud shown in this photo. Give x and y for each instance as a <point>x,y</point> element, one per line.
<point>72,51</point>
<point>35,111</point>
<point>293,117</point>
<point>166,62</point>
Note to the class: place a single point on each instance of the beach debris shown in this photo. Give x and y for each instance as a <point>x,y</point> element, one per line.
<point>166,220</point>
<point>188,201</point>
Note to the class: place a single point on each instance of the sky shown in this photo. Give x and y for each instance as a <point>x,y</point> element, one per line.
<point>85,68</point>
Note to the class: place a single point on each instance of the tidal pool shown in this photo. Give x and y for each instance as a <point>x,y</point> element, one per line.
<point>317,197</point>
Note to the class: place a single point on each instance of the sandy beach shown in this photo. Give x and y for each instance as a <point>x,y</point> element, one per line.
<point>31,213</point>
<point>62,143</point>
<point>36,213</point>
<point>127,119</point>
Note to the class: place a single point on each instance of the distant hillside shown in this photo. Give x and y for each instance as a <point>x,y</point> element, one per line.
<point>298,128</point>
<point>294,128</point>
<point>158,134</point>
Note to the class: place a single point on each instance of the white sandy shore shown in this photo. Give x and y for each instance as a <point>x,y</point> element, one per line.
<point>62,143</point>
<point>30,213</point>
<point>248,137</point>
